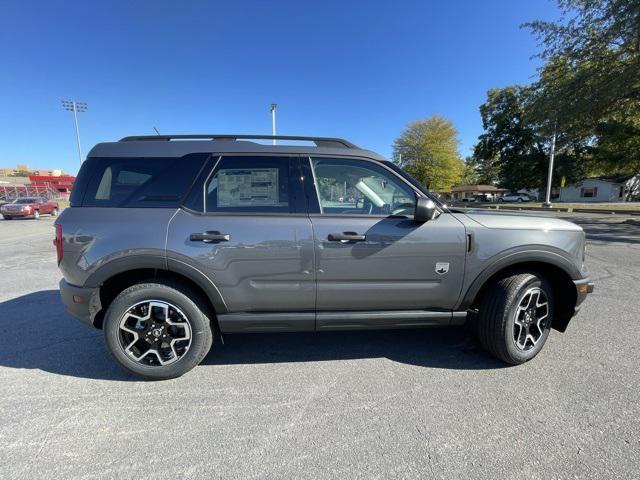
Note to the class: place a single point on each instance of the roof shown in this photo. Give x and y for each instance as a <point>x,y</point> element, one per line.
<point>612,178</point>
<point>477,188</point>
<point>180,145</point>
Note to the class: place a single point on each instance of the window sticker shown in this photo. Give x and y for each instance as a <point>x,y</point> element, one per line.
<point>241,187</point>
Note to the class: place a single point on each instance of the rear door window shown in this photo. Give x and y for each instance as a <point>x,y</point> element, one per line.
<point>141,182</point>
<point>251,184</point>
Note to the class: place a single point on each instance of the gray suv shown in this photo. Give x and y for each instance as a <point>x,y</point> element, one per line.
<point>171,240</point>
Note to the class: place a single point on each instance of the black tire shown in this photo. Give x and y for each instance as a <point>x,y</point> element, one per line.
<point>187,300</point>
<point>496,327</point>
<point>500,200</point>
<point>7,217</point>
<point>520,200</point>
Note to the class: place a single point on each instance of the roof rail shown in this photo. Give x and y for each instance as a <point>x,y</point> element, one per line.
<point>319,141</point>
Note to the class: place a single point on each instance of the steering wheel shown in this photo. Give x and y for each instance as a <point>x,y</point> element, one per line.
<point>367,205</point>
<point>400,209</point>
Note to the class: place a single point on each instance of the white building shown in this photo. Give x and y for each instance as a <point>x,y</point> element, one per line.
<point>601,189</point>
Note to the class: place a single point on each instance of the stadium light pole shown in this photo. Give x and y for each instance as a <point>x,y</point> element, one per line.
<point>75,107</point>
<point>273,120</point>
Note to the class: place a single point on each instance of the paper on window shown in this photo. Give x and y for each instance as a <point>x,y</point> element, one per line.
<point>240,187</point>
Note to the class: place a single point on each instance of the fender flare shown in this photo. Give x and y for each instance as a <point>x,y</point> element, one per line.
<point>160,263</point>
<point>549,255</point>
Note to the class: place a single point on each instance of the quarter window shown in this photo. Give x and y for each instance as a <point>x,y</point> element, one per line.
<point>358,187</point>
<point>141,182</point>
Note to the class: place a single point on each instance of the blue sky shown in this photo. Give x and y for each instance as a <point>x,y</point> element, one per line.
<point>359,70</point>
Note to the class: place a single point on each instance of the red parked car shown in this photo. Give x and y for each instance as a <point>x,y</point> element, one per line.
<point>29,207</point>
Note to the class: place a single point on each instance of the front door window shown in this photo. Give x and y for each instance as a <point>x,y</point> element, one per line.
<point>358,187</point>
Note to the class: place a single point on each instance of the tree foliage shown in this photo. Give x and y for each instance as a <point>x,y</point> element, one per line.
<point>590,84</point>
<point>514,149</point>
<point>600,41</point>
<point>587,95</point>
<point>470,173</point>
<point>428,150</point>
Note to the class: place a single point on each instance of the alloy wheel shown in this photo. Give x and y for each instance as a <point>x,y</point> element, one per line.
<point>155,333</point>
<point>531,318</point>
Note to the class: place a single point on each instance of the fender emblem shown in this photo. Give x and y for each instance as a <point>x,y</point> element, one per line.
<point>442,268</point>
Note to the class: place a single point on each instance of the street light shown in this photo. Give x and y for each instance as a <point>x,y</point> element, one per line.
<point>547,201</point>
<point>273,120</point>
<point>75,107</point>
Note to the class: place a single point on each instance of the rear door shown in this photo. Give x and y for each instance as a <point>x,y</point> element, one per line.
<point>370,253</point>
<point>246,228</point>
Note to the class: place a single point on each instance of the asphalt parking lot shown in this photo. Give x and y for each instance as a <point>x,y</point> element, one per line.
<point>404,404</point>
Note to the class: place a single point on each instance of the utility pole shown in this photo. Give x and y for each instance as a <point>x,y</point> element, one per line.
<point>547,203</point>
<point>75,107</point>
<point>273,120</point>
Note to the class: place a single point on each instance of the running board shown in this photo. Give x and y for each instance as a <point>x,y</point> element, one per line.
<point>321,321</point>
<point>385,319</point>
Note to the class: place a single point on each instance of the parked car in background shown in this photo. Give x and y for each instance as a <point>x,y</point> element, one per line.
<point>514,197</point>
<point>29,207</point>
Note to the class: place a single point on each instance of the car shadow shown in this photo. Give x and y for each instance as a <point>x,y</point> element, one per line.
<point>40,334</point>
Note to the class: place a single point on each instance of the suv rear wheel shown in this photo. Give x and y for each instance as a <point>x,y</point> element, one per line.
<point>155,330</point>
<point>515,317</point>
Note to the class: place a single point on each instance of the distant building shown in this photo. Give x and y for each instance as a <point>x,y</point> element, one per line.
<point>602,189</point>
<point>45,183</point>
<point>23,169</point>
<point>61,183</point>
<point>484,192</point>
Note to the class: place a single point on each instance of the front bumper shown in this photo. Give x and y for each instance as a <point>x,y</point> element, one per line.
<point>81,302</point>
<point>583,288</point>
<point>17,214</point>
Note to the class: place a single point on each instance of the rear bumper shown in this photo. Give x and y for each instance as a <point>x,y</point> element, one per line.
<point>82,303</point>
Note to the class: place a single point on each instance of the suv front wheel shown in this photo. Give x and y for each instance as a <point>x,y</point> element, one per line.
<point>155,330</point>
<point>515,317</point>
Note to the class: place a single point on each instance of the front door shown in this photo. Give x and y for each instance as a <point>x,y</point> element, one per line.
<point>370,254</point>
<point>247,229</point>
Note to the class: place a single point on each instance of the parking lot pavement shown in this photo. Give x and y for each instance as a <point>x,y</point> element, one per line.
<point>409,404</point>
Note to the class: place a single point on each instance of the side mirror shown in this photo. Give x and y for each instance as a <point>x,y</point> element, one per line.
<point>425,210</point>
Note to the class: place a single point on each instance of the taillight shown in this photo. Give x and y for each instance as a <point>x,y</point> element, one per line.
<point>57,242</point>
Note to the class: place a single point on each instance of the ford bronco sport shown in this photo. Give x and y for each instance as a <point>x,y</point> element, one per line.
<point>172,239</point>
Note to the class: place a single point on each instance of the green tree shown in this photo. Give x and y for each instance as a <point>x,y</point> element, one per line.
<point>510,147</point>
<point>514,148</point>
<point>470,174</point>
<point>589,87</point>
<point>428,150</point>
<point>600,41</point>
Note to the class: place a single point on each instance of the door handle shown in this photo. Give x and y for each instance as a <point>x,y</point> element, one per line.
<point>346,237</point>
<point>210,237</point>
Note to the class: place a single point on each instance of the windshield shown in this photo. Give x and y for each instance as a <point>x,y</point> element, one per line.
<point>25,200</point>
